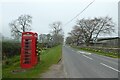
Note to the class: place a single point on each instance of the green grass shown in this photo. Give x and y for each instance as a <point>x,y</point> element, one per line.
<point>12,61</point>
<point>48,58</point>
<point>100,52</point>
<point>0,70</point>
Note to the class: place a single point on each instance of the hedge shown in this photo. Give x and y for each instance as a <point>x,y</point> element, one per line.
<point>10,49</point>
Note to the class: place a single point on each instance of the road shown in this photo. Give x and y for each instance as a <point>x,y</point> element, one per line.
<point>80,64</point>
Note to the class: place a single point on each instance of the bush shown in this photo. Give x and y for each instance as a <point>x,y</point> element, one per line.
<point>10,49</point>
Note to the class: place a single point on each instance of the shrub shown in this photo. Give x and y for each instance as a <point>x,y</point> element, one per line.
<point>10,49</point>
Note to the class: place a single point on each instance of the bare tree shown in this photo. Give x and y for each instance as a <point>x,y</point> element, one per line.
<point>22,24</point>
<point>56,27</point>
<point>95,27</point>
<point>86,29</point>
<point>76,35</point>
<point>68,40</point>
<point>57,32</point>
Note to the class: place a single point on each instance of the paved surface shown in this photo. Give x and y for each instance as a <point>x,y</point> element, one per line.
<point>80,64</point>
<point>55,71</point>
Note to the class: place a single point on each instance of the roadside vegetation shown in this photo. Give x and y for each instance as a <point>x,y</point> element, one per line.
<point>100,52</point>
<point>0,69</point>
<point>50,45</point>
<point>48,57</point>
<point>85,35</point>
<point>10,49</point>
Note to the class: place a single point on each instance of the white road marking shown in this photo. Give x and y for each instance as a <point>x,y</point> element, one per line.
<point>82,52</point>
<point>87,57</point>
<point>110,67</point>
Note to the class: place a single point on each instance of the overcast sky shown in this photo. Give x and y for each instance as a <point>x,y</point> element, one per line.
<point>45,12</point>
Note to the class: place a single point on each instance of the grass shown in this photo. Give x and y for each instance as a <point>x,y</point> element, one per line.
<point>0,70</point>
<point>100,52</point>
<point>48,57</point>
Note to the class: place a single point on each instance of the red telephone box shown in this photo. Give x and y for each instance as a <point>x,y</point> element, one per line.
<point>28,57</point>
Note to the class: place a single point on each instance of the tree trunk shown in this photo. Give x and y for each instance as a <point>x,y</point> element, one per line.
<point>88,42</point>
<point>23,28</point>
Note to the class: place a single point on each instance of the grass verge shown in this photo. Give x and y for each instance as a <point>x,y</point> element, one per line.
<point>100,52</point>
<point>48,57</point>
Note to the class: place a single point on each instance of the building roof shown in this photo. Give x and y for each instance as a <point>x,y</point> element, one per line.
<point>107,38</point>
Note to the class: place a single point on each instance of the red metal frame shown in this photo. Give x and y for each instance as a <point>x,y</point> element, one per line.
<point>28,57</point>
